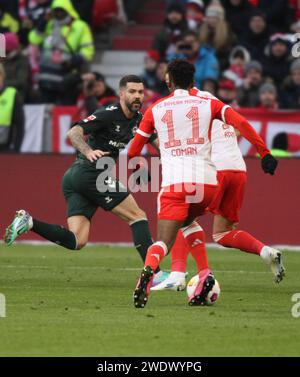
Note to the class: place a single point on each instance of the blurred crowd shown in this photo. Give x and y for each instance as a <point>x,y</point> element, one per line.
<point>242,51</point>
<point>245,51</point>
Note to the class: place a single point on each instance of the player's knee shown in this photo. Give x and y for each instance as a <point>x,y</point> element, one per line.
<point>217,237</point>
<point>137,214</point>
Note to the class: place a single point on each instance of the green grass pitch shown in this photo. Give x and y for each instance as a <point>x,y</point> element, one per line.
<point>61,303</point>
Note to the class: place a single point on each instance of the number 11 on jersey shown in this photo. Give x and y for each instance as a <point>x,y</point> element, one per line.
<point>193,115</point>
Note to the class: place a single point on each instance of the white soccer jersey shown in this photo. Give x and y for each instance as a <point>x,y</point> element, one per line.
<point>225,152</point>
<point>183,123</point>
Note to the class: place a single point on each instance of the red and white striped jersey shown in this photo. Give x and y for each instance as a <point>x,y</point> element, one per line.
<point>183,123</point>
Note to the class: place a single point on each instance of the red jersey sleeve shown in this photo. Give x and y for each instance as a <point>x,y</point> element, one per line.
<point>142,135</point>
<point>226,114</point>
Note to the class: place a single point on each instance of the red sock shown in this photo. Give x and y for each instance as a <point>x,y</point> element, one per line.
<point>195,238</point>
<point>179,253</point>
<point>155,254</point>
<point>239,239</point>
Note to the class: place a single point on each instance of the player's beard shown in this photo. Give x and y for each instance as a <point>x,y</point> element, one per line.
<point>133,106</point>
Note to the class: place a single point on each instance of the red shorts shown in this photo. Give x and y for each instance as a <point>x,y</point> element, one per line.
<point>229,196</point>
<point>184,200</point>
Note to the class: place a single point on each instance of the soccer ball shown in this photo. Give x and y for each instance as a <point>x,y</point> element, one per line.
<point>213,294</point>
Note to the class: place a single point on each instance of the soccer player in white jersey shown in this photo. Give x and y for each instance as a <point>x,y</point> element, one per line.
<point>226,205</point>
<point>189,180</point>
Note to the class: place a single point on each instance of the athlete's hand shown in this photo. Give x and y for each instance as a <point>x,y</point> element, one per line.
<point>269,164</point>
<point>94,155</point>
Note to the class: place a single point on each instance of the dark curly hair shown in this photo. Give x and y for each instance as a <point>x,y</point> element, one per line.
<point>181,73</point>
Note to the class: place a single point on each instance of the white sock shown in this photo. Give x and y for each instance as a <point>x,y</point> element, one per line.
<point>175,275</point>
<point>266,254</point>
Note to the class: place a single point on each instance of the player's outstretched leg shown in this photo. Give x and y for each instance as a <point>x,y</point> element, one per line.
<point>21,224</point>
<point>205,285</point>
<point>226,235</point>
<point>73,239</point>
<point>141,292</point>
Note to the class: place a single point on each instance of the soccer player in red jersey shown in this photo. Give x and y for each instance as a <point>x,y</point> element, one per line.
<point>183,123</point>
<point>226,205</point>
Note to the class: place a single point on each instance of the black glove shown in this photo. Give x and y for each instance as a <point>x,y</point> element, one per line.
<point>143,175</point>
<point>269,164</point>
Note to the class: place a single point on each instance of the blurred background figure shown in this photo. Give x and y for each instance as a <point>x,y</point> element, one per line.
<point>216,33</point>
<point>238,60</point>
<point>203,57</point>
<point>248,92</point>
<point>268,97</point>
<point>290,96</point>
<point>211,86</point>
<point>277,60</point>
<point>35,16</point>
<point>161,86</point>
<point>151,61</point>
<point>280,145</point>
<point>130,7</point>
<point>238,14</point>
<point>227,92</point>
<point>95,93</point>
<point>175,25</point>
<point>11,117</point>
<point>66,49</point>
<point>16,66</point>
<point>194,14</point>
<point>256,36</point>
<point>7,21</point>
<point>278,12</point>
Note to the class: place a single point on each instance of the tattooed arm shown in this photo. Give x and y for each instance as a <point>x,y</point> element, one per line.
<point>76,136</point>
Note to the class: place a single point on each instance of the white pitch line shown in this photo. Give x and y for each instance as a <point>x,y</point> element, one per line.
<point>209,245</point>
<point>117,269</point>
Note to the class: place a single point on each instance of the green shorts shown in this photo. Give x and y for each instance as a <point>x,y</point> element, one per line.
<point>83,197</point>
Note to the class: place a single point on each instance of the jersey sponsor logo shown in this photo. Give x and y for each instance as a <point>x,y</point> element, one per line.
<point>111,108</point>
<point>90,118</point>
<point>117,144</point>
